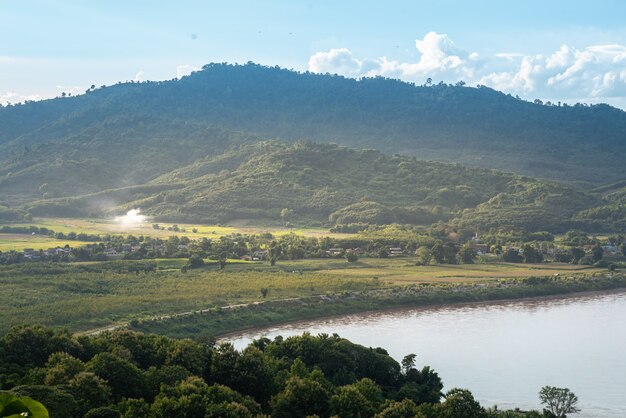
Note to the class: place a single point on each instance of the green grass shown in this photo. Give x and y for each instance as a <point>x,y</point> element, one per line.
<point>83,296</point>
<point>403,270</point>
<point>219,322</point>
<point>38,242</point>
<point>82,300</point>
<point>104,227</point>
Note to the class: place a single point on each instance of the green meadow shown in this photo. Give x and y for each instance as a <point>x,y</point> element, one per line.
<point>83,296</point>
<point>109,226</point>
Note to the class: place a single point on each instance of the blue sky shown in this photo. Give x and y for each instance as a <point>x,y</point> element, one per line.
<point>553,50</point>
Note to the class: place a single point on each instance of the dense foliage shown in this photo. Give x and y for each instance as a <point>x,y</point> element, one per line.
<point>129,374</point>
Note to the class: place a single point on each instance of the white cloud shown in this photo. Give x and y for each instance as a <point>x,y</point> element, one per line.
<point>438,55</point>
<point>184,69</point>
<point>509,56</point>
<point>11,97</point>
<point>336,60</point>
<point>560,58</point>
<point>74,90</point>
<point>594,74</point>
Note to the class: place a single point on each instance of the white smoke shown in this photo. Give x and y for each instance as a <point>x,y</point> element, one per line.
<point>132,218</point>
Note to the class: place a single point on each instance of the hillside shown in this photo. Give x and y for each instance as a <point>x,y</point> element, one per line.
<point>325,184</point>
<point>116,152</point>
<point>130,133</point>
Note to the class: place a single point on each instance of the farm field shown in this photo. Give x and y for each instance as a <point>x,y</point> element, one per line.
<point>403,271</point>
<point>104,227</point>
<point>80,296</point>
<point>84,296</point>
<point>37,242</point>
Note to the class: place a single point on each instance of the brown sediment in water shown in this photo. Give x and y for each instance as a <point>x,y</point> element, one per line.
<point>537,301</point>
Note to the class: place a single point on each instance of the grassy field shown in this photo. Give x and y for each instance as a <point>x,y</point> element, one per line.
<point>403,270</point>
<point>65,295</point>
<point>83,296</point>
<point>104,227</point>
<point>38,242</point>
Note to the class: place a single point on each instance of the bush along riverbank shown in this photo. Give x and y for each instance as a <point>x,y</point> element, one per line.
<point>214,322</point>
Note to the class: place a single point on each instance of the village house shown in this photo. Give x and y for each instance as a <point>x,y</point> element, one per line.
<point>479,247</point>
<point>336,251</point>
<point>260,255</point>
<point>31,254</point>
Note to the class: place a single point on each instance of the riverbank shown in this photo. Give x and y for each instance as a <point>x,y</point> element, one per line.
<point>218,322</point>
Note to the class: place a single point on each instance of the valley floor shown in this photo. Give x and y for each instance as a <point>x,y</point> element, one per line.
<point>87,296</point>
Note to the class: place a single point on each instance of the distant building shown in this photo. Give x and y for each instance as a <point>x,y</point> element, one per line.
<point>335,251</point>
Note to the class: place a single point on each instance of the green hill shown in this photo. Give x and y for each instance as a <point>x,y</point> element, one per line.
<point>325,184</point>
<point>129,133</point>
<point>116,152</point>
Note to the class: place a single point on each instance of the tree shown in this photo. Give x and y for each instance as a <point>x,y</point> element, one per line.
<point>273,252</point>
<point>532,255</point>
<point>124,377</point>
<point>62,367</point>
<point>195,261</point>
<point>92,391</point>
<point>102,412</point>
<point>404,409</point>
<point>460,403</point>
<point>408,363</point>
<point>285,215</point>
<point>32,345</point>
<point>301,397</point>
<point>597,253</point>
<point>559,401</point>
<point>467,254</point>
<point>350,403</point>
<point>352,257</point>
<point>511,255</point>
<point>372,392</point>
<point>423,386</point>
<point>424,256</point>
<point>577,254</point>
<point>438,253</point>
<point>450,251</point>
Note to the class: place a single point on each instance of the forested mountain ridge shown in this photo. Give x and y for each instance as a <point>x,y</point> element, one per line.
<point>326,184</point>
<point>475,126</point>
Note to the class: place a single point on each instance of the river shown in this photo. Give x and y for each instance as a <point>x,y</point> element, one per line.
<point>503,352</point>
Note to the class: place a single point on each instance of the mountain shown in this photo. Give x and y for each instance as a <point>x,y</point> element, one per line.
<point>326,184</point>
<point>130,133</point>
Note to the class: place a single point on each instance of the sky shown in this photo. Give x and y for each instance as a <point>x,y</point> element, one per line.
<point>552,50</point>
